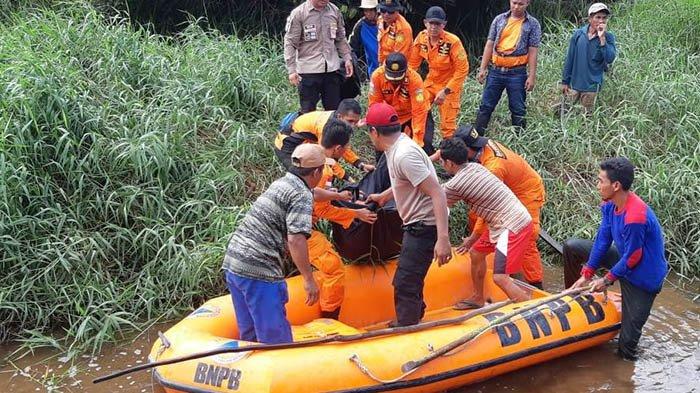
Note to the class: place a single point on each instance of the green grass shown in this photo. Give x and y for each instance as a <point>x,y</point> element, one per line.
<point>127,158</point>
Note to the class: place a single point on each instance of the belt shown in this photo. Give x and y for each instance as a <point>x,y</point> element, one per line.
<point>506,69</point>
<point>416,226</point>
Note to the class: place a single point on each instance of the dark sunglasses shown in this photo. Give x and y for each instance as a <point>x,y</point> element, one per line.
<point>387,11</point>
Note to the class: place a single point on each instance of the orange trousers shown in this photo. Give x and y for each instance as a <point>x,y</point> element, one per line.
<point>448,112</point>
<point>532,261</point>
<point>323,257</point>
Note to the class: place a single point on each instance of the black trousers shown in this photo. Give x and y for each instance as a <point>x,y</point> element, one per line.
<point>636,303</point>
<point>414,261</point>
<point>429,133</point>
<point>325,86</point>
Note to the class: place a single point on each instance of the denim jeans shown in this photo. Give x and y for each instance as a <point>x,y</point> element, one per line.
<point>513,81</point>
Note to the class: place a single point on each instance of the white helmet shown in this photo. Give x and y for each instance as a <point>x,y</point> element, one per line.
<point>368,4</point>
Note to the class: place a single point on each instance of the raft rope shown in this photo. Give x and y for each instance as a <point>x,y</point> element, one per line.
<point>355,358</point>
<point>411,366</point>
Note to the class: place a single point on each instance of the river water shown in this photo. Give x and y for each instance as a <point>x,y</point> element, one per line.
<point>669,360</point>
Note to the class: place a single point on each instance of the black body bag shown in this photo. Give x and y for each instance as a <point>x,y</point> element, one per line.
<point>363,242</point>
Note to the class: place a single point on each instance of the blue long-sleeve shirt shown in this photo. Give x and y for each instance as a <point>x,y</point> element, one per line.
<point>587,60</point>
<point>364,42</point>
<point>638,236</point>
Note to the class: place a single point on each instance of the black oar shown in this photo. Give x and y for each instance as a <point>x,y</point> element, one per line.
<point>551,241</point>
<point>308,343</point>
<point>413,364</point>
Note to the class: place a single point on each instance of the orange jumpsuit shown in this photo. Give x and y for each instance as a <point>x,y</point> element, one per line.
<point>527,185</point>
<point>322,255</point>
<point>448,67</point>
<point>313,123</point>
<point>407,98</point>
<point>396,37</point>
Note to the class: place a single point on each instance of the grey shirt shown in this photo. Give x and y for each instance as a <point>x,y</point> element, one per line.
<point>258,247</point>
<point>313,39</point>
<point>409,166</point>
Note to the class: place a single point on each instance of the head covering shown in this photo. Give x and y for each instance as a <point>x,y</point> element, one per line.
<point>436,14</point>
<point>310,155</point>
<point>368,4</point>
<point>598,7</point>
<point>389,5</point>
<point>395,66</point>
<point>470,136</point>
<point>381,114</point>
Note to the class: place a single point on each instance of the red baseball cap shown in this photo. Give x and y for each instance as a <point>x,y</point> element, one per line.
<point>381,114</point>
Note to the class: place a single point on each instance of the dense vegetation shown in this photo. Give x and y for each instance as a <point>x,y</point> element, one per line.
<point>126,158</point>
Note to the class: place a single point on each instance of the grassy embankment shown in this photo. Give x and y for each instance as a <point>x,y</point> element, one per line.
<point>126,159</point>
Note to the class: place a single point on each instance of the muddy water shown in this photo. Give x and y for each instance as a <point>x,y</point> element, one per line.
<point>669,361</point>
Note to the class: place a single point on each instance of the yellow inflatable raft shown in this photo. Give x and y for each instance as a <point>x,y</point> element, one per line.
<point>540,330</point>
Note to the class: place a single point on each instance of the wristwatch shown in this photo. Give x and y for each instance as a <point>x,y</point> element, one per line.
<point>607,281</point>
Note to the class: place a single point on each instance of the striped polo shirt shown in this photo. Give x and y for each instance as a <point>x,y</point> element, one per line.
<point>258,248</point>
<point>489,197</point>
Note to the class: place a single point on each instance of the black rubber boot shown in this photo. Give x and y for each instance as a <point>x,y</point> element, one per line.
<point>331,314</point>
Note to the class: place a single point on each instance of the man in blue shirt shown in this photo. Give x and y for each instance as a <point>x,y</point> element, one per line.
<point>591,51</point>
<point>637,260</point>
<point>363,39</point>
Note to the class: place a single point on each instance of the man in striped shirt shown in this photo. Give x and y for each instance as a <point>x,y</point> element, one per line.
<point>509,223</point>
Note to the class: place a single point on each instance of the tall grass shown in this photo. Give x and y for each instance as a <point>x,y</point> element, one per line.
<point>126,158</point>
<point>648,110</point>
<point>125,161</point>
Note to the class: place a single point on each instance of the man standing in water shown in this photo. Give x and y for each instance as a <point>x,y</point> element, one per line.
<point>421,205</point>
<point>637,260</point>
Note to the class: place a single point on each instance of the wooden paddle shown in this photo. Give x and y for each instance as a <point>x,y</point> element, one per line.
<point>308,343</point>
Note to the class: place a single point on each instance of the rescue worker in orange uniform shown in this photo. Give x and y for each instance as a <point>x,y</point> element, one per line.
<point>402,88</point>
<point>308,128</point>
<point>518,175</point>
<point>448,67</point>
<point>335,142</point>
<point>395,33</point>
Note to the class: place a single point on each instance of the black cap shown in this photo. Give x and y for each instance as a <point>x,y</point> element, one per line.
<point>470,136</point>
<point>389,5</point>
<point>436,14</point>
<point>395,66</point>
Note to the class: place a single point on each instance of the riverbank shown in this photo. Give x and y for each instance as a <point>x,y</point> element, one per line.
<point>127,158</point>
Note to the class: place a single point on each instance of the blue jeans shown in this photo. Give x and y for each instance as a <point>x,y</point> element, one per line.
<point>259,307</point>
<point>513,81</point>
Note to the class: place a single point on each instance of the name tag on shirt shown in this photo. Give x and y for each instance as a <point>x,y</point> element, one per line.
<point>334,30</point>
<point>310,33</point>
